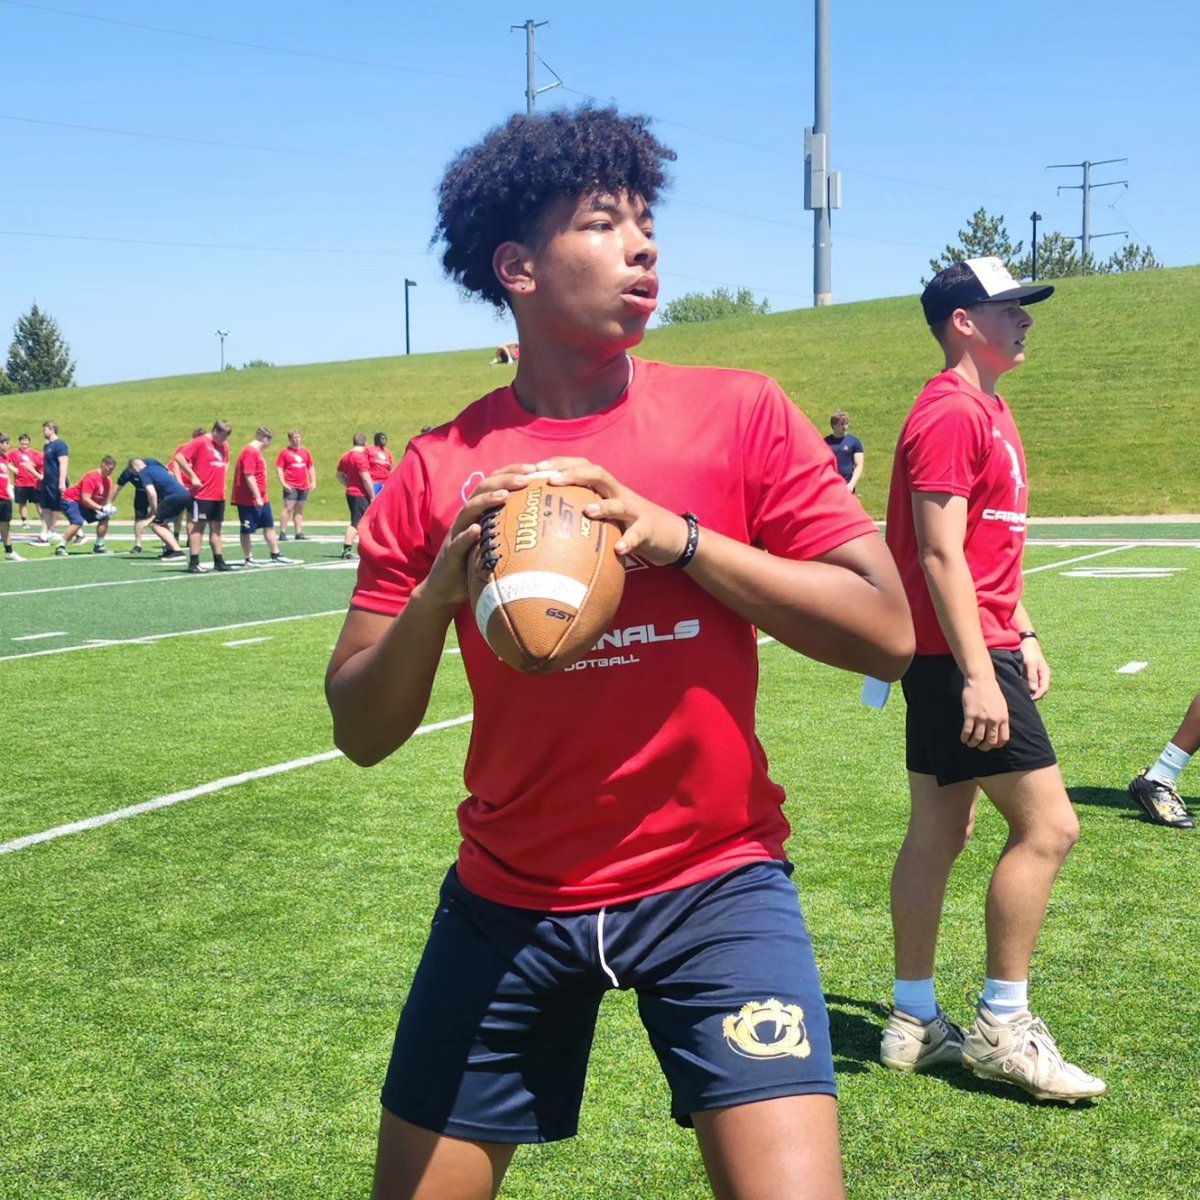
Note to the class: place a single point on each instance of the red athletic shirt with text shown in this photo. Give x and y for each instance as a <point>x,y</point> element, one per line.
<point>637,770</point>
<point>23,460</point>
<point>210,462</point>
<point>351,465</point>
<point>295,464</point>
<point>94,486</point>
<point>6,478</point>
<point>250,463</point>
<point>961,441</point>
<point>380,459</point>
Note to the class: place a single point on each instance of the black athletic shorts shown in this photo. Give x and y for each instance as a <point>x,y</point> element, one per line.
<point>170,505</point>
<point>27,494</point>
<point>5,512</point>
<point>208,510</point>
<point>358,506</point>
<point>141,506</point>
<point>933,688</point>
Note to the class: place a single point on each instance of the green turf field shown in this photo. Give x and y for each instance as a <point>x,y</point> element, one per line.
<point>1102,402</point>
<point>199,1001</point>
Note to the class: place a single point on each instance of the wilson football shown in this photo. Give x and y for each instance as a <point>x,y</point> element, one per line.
<point>543,581</point>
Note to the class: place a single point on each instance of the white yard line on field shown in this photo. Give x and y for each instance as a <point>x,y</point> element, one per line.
<point>37,637</point>
<point>1132,668</point>
<point>150,638</point>
<point>1066,562</point>
<point>246,641</point>
<point>205,789</point>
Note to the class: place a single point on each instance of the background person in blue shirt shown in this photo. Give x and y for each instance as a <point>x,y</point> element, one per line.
<point>165,496</point>
<point>847,449</point>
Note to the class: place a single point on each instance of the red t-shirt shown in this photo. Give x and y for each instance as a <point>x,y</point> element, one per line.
<point>250,462</point>
<point>210,462</point>
<point>177,470</point>
<point>960,441</point>
<point>6,483</point>
<point>637,770</point>
<point>95,486</point>
<point>23,460</point>
<point>381,461</point>
<point>295,464</point>
<point>351,465</point>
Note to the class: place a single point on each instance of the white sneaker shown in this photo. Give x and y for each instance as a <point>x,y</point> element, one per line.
<point>13,557</point>
<point>80,538</point>
<point>910,1044</point>
<point>1023,1052</point>
<point>41,540</point>
<point>251,562</point>
<point>280,560</point>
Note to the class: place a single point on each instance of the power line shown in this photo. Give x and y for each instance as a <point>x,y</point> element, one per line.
<point>166,137</point>
<point>223,41</point>
<point>81,237</point>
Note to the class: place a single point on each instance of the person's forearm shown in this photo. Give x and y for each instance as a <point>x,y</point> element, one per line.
<point>379,696</point>
<point>952,590</point>
<point>855,476</point>
<point>828,612</point>
<point>1022,621</point>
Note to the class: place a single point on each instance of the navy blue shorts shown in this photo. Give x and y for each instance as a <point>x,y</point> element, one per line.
<point>170,505</point>
<point>494,1038</point>
<point>251,519</point>
<point>933,687</point>
<point>78,515</point>
<point>51,499</point>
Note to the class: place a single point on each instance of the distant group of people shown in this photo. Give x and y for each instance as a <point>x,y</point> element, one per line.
<point>190,485</point>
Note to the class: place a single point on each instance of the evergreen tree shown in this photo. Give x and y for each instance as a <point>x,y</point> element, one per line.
<point>1131,257</point>
<point>1057,258</point>
<point>984,237</point>
<point>719,303</point>
<point>39,357</point>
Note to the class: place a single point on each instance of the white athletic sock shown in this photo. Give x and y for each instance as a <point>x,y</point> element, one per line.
<point>1005,998</point>
<point>1170,765</point>
<point>915,997</point>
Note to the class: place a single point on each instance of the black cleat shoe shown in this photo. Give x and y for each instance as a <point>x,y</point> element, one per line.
<point>171,554</point>
<point>1160,802</point>
<point>347,552</point>
<point>135,550</point>
<point>196,569</point>
<point>224,566</point>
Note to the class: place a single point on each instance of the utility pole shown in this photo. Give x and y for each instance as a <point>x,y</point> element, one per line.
<point>532,91</point>
<point>822,186</point>
<point>1086,187</point>
<point>222,334</point>
<point>1035,217</point>
<point>408,283</point>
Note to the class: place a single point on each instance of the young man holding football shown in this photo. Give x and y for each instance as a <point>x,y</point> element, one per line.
<point>956,523</point>
<point>648,854</point>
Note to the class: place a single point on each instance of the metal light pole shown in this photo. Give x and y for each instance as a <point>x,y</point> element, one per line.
<point>1035,217</point>
<point>408,283</point>
<point>222,334</point>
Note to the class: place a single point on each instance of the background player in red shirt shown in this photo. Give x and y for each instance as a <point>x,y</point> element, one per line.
<point>642,850</point>
<point>250,496</point>
<point>204,462</point>
<point>380,458</point>
<point>28,462</point>
<point>8,473</point>
<point>89,502</point>
<point>956,525</point>
<point>297,477</point>
<point>354,474</point>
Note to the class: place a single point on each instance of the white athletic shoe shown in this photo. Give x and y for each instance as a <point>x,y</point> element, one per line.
<point>910,1044</point>
<point>280,560</point>
<point>80,538</point>
<point>251,562</point>
<point>1024,1053</point>
<point>13,557</point>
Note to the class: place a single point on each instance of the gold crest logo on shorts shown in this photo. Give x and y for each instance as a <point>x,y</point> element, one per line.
<point>769,1029</point>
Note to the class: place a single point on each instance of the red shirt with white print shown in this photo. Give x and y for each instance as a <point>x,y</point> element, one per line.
<point>295,462</point>
<point>351,465</point>
<point>637,770</point>
<point>210,462</point>
<point>961,441</point>
<point>24,460</point>
<point>6,477</point>
<point>95,485</point>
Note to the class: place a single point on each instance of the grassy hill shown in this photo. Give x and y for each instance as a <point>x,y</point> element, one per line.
<point>1101,401</point>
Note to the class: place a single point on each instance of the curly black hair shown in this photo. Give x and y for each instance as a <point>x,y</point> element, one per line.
<point>500,189</point>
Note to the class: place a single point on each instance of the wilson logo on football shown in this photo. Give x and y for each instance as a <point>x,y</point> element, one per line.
<point>770,1029</point>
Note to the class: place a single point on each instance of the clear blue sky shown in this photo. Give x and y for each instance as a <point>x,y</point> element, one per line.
<point>268,167</point>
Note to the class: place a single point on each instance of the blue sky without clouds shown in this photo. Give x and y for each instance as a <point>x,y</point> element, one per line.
<point>268,167</point>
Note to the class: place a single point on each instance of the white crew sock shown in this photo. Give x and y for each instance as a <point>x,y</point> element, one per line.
<point>915,997</point>
<point>1170,765</point>
<point>1005,998</point>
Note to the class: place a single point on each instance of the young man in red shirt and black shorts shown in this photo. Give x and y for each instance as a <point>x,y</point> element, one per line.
<point>204,462</point>
<point>645,851</point>
<point>250,496</point>
<point>354,474</point>
<point>8,473</point>
<point>956,525</point>
<point>28,462</point>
